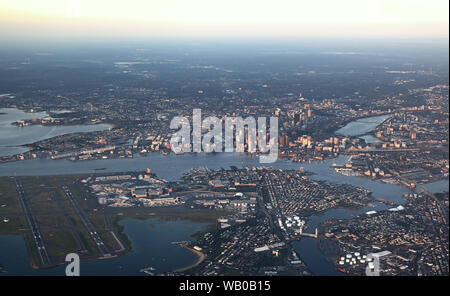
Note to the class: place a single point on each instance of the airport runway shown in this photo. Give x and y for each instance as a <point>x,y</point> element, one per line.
<point>45,260</point>
<point>87,223</point>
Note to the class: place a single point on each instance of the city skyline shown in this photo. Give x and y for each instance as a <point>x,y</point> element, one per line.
<point>238,138</point>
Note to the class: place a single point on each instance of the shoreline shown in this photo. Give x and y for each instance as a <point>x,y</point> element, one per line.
<point>200,258</point>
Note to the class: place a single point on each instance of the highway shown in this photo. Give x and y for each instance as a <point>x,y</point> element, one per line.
<point>87,223</point>
<point>42,251</point>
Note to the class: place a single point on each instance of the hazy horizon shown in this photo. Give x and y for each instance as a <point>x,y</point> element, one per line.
<point>139,19</point>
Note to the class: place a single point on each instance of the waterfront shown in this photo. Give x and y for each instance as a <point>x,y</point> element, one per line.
<point>150,242</point>
<point>308,248</point>
<point>172,167</point>
<point>12,136</point>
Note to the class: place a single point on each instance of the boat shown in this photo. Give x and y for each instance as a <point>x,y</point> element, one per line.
<point>343,270</point>
<point>148,270</point>
<point>99,169</point>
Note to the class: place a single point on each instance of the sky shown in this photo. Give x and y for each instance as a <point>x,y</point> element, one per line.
<point>236,18</point>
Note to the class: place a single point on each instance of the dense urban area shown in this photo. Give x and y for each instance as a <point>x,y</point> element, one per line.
<point>257,213</point>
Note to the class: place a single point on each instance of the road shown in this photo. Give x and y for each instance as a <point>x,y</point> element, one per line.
<point>42,251</point>
<point>87,223</point>
<point>442,212</point>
